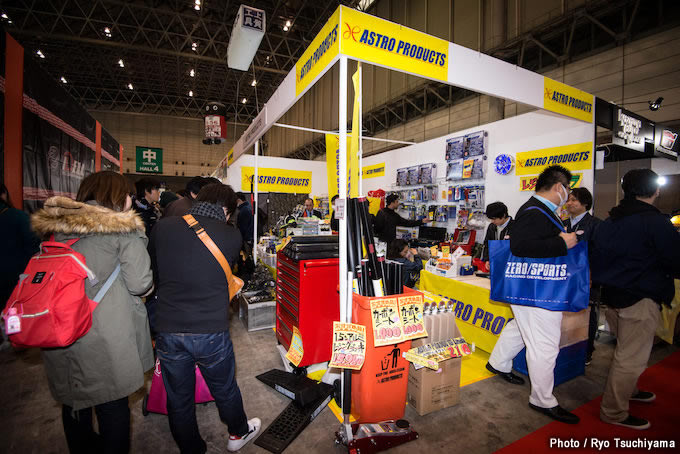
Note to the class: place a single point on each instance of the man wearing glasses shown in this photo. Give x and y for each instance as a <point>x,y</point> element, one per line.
<point>534,234</point>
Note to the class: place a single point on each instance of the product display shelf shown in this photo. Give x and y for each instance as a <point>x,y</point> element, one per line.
<point>307,298</point>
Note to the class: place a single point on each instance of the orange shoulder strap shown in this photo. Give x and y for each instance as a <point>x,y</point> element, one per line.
<point>210,244</point>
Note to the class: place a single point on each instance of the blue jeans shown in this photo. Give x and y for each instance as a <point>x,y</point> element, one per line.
<point>214,354</point>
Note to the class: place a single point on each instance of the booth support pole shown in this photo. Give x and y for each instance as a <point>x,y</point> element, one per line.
<point>360,127</point>
<point>345,302</point>
<point>255,207</point>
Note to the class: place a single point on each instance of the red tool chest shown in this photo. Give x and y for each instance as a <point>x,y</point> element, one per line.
<point>307,297</point>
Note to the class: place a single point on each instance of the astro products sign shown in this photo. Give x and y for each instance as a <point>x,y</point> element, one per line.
<point>318,55</point>
<point>578,156</point>
<point>385,43</point>
<point>149,160</point>
<point>563,99</point>
<point>278,180</point>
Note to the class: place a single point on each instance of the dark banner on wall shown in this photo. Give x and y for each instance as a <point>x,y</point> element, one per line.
<point>2,106</point>
<point>58,139</point>
<point>110,152</point>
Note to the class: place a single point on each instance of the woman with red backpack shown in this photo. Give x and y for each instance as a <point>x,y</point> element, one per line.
<point>101,369</point>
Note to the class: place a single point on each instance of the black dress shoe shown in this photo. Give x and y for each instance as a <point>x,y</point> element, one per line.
<point>507,376</point>
<point>557,413</point>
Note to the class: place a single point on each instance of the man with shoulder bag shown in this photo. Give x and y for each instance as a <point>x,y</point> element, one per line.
<point>537,233</point>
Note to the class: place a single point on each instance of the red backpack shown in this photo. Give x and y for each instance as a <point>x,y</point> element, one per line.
<point>48,307</point>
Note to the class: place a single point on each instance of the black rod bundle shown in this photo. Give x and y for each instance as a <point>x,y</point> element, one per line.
<point>375,268</point>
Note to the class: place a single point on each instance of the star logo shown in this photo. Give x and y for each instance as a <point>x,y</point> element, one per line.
<point>351,32</point>
<point>548,93</point>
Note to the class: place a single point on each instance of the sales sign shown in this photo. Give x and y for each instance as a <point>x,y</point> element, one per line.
<point>278,180</point>
<point>565,100</point>
<point>666,142</point>
<point>295,351</point>
<point>319,54</point>
<point>230,157</point>
<point>411,313</point>
<point>387,328</point>
<point>385,43</point>
<point>149,160</point>
<point>578,156</point>
<point>349,346</point>
<point>377,170</point>
<point>529,183</point>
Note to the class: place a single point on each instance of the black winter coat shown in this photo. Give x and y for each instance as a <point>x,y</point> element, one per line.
<point>587,224</point>
<point>386,223</point>
<point>534,235</point>
<point>635,254</point>
<point>491,235</point>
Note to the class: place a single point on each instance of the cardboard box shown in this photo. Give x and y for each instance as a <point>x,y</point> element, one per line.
<point>430,390</point>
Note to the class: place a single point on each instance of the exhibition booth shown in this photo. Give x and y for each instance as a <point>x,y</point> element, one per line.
<point>449,179</point>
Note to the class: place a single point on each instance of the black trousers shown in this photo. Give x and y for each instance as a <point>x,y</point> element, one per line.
<point>114,428</point>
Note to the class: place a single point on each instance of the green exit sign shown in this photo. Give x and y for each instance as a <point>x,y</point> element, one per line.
<point>149,160</point>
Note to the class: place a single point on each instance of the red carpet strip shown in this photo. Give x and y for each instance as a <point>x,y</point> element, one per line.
<point>593,435</point>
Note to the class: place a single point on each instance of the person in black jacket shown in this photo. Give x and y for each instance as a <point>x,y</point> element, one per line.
<point>583,224</point>
<point>309,211</point>
<point>192,318</point>
<point>411,263</point>
<point>499,228</point>
<point>144,202</point>
<point>634,258</point>
<point>245,221</point>
<point>387,220</point>
<point>335,223</point>
<point>537,233</point>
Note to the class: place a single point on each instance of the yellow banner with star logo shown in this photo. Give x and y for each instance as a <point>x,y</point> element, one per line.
<point>578,156</point>
<point>572,102</point>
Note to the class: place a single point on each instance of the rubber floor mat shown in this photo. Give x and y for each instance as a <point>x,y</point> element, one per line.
<point>291,422</point>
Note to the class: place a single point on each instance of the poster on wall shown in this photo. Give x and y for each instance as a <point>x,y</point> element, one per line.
<point>454,170</point>
<point>110,152</point>
<point>58,139</point>
<point>474,144</point>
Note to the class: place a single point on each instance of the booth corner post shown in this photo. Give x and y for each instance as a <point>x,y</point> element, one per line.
<point>254,208</point>
<point>345,301</point>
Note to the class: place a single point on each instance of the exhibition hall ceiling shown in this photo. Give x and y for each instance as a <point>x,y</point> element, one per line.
<point>163,57</point>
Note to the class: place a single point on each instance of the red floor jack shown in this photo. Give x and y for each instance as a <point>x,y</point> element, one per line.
<point>370,438</point>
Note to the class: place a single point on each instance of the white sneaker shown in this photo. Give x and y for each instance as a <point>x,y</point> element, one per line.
<point>235,443</point>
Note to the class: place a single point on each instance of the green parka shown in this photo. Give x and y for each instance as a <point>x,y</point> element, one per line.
<point>109,362</point>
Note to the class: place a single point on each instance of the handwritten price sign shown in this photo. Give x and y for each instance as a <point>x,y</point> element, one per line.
<point>295,351</point>
<point>349,346</point>
<point>411,313</point>
<point>387,327</point>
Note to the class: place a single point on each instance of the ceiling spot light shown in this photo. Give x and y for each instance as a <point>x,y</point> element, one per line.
<point>253,83</point>
<point>40,54</point>
<point>4,16</point>
<point>285,28</point>
<point>191,93</point>
<point>197,5</point>
<point>244,100</point>
<point>288,24</point>
<point>654,106</point>
<point>130,87</point>
<point>121,64</point>
<point>192,73</point>
<point>107,32</point>
<point>194,46</point>
<point>63,80</point>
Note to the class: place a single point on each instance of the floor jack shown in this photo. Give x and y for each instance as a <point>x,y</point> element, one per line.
<point>370,438</point>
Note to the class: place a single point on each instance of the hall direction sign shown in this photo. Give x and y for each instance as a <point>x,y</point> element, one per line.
<point>149,160</point>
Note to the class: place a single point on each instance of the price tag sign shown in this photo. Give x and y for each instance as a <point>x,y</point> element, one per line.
<point>411,313</point>
<point>434,251</point>
<point>340,208</point>
<point>387,328</point>
<point>458,253</point>
<point>349,346</point>
<point>295,351</point>
<point>445,251</point>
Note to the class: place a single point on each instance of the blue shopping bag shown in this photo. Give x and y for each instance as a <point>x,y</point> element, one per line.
<point>554,283</point>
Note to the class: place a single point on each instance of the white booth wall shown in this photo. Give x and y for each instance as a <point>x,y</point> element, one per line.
<point>318,169</point>
<point>530,131</point>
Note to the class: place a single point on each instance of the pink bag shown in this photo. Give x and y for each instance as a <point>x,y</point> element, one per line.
<point>156,401</point>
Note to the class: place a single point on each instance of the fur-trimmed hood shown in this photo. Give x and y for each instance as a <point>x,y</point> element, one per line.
<point>63,215</point>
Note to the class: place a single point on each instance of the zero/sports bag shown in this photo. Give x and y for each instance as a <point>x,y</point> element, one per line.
<point>49,307</point>
<point>553,283</point>
<point>235,283</point>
